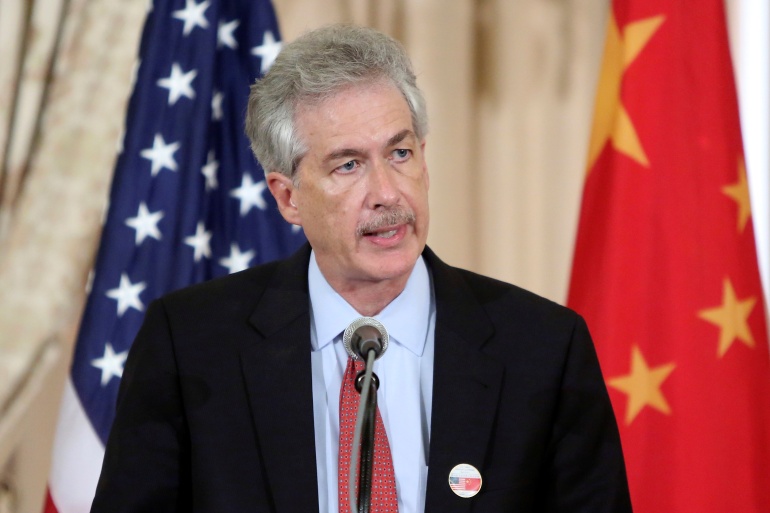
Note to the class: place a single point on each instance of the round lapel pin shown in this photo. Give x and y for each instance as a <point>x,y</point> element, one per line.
<point>465,480</point>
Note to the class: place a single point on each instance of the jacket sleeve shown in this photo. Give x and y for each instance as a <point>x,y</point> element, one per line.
<point>146,463</point>
<point>586,471</point>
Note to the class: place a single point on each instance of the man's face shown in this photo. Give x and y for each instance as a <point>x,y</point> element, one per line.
<point>362,197</point>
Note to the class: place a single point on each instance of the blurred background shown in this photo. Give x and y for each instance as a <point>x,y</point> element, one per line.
<point>510,87</point>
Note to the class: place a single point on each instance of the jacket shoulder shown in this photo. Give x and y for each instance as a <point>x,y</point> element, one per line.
<point>241,291</point>
<point>501,302</point>
<point>488,291</point>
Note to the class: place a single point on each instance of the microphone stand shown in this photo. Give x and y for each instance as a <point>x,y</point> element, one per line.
<point>367,453</point>
<point>363,437</point>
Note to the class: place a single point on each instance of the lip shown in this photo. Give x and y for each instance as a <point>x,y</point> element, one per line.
<point>384,242</point>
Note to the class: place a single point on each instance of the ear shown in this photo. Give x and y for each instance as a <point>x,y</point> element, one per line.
<point>282,189</point>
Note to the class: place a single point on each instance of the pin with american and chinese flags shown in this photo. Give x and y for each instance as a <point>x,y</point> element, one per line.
<point>465,480</point>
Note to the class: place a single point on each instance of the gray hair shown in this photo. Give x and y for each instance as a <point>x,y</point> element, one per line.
<point>314,67</point>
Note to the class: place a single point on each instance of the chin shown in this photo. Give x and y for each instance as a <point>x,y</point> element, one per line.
<point>395,267</point>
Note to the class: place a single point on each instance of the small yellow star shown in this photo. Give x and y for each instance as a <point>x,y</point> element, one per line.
<point>611,121</point>
<point>642,386</point>
<point>740,193</point>
<point>732,317</point>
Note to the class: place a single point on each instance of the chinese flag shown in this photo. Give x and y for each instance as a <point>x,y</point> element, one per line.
<point>665,267</point>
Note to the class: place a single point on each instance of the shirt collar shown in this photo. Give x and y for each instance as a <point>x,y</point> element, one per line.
<point>406,317</point>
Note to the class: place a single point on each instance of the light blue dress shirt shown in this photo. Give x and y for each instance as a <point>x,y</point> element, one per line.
<point>406,382</point>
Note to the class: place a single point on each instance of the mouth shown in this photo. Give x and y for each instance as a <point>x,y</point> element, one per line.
<point>386,233</point>
<point>387,236</point>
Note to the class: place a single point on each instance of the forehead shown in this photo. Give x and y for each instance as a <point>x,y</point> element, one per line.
<point>358,113</point>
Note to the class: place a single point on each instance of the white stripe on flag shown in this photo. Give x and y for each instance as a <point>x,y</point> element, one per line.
<point>77,457</point>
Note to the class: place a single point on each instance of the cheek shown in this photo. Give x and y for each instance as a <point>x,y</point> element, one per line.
<point>418,194</point>
<point>335,214</point>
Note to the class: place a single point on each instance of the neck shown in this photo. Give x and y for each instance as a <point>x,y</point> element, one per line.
<point>371,298</point>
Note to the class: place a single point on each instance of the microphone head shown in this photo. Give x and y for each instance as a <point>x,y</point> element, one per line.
<point>364,334</point>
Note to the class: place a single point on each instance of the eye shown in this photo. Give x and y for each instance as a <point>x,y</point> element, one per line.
<point>401,154</point>
<point>347,167</point>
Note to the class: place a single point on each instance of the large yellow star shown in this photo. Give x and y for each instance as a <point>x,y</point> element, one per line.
<point>732,317</point>
<point>611,121</point>
<point>642,386</point>
<point>740,193</point>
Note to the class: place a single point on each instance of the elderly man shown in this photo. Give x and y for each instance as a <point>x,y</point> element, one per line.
<point>235,396</point>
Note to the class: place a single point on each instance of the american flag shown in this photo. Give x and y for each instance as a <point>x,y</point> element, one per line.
<point>188,203</point>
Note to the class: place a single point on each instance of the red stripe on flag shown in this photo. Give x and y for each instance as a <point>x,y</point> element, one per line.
<point>49,507</point>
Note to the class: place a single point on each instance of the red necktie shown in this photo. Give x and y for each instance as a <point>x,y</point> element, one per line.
<point>383,477</point>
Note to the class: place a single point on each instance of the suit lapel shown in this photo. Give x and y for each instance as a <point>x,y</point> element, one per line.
<point>466,387</point>
<point>278,374</point>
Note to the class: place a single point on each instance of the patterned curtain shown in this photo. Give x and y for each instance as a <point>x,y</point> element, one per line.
<point>64,81</point>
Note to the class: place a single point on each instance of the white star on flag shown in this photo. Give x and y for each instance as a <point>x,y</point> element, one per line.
<point>250,194</point>
<point>145,223</point>
<point>267,51</point>
<point>179,83</point>
<point>200,242</point>
<point>127,295</point>
<point>111,364</point>
<point>216,105</point>
<point>209,170</point>
<point>192,15</point>
<point>161,154</point>
<point>225,36</point>
<point>237,261</point>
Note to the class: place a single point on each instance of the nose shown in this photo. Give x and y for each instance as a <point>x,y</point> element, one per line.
<point>382,184</point>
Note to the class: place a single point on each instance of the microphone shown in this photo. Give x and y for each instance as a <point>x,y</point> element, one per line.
<point>363,335</point>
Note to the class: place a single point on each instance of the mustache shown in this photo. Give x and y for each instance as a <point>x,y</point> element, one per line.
<point>390,217</point>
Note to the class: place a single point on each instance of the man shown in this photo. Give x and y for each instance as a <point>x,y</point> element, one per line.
<point>231,400</point>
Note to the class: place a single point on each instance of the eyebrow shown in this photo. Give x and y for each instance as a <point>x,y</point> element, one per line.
<point>352,152</point>
<point>343,154</point>
<point>403,134</point>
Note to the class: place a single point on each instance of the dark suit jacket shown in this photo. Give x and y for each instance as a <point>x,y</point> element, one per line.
<point>215,408</point>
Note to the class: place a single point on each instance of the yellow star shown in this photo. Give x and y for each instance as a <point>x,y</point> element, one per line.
<point>642,386</point>
<point>611,121</point>
<point>732,318</point>
<point>740,193</point>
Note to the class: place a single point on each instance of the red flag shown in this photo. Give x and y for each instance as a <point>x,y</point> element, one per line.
<point>665,267</point>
